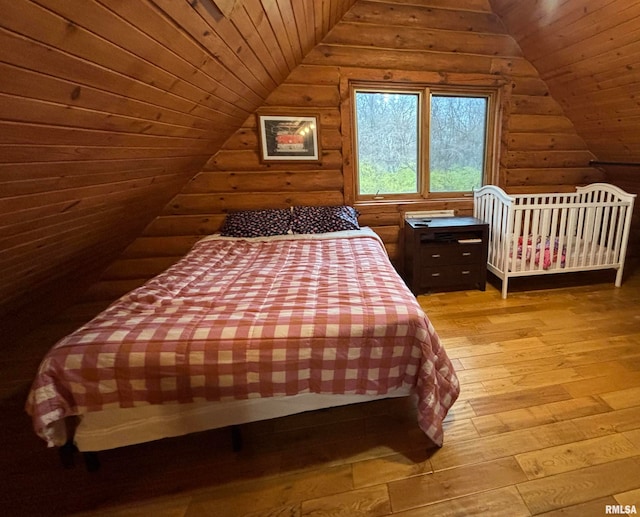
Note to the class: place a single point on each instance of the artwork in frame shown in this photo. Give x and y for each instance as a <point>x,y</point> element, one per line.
<point>285,138</point>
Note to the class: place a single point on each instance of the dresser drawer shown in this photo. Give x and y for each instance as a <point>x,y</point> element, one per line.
<point>455,274</point>
<point>434,255</point>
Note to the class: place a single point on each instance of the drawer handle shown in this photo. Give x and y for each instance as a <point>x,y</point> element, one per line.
<point>466,272</point>
<point>435,274</point>
<point>466,254</point>
<point>435,256</point>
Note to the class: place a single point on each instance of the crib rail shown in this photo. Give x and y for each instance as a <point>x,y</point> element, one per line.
<point>555,232</point>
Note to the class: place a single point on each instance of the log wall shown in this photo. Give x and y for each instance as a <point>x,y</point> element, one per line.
<point>435,41</point>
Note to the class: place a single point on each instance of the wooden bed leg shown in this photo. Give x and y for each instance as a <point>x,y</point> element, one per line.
<point>91,461</point>
<point>236,438</point>
<point>67,454</point>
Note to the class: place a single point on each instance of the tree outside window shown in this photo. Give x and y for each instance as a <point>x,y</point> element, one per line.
<point>416,143</point>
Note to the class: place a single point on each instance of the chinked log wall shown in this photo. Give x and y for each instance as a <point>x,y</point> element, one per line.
<point>431,41</point>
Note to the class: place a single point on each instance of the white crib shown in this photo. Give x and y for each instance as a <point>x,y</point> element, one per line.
<point>537,234</point>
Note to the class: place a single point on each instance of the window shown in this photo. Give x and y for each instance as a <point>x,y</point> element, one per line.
<point>413,143</point>
<point>457,148</point>
<point>388,137</point>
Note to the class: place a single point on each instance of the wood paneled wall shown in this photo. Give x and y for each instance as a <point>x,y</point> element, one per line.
<point>107,109</point>
<point>627,177</point>
<point>587,51</point>
<point>433,41</point>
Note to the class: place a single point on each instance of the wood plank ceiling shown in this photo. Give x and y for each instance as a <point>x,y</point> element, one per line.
<point>107,108</point>
<point>588,53</point>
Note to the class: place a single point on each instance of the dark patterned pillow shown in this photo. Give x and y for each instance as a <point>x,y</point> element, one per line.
<point>257,223</point>
<point>322,219</point>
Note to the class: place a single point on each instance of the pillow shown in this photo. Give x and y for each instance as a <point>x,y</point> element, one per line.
<point>323,219</point>
<point>257,223</point>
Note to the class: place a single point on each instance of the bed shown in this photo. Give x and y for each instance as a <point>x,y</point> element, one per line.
<point>546,233</point>
<point>277,315</point>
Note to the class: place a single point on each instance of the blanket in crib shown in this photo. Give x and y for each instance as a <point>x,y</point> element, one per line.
<point>545,252</point>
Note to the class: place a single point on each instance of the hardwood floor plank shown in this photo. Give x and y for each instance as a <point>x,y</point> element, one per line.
<point>595,507</point>
<point>458,430</point>
<point>629,397</point>
<point>473,350</point>
<point>580,486</point>
<point>550,316</point>
<point>529,375</point>
<point>504,445</point>
<point>604,384</point>
<point>633,436</point>
<point>617,421</point>
<point>482,374</point>
<point>560,432</point>
<point>577,455</point>
<point>486,405</point>
<point>539,415</point>
<point>514,420</point>
<point>461,410</point>
<point>452,483</point>
<point>365,502</point>
<point>389,468</point>
<point>275,492</point>
<point>578,407</point>
<point>632,497</point>
<point>503,502</point>
<point>573,335</point>
<point>168,506</point>
<point>471,391</point>
<point>535,380</point>
<point>505,358</point>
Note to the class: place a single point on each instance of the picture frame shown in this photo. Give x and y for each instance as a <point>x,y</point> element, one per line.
<point>289,138</point>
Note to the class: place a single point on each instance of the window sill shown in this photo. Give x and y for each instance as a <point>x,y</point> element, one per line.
<point>412,202</point>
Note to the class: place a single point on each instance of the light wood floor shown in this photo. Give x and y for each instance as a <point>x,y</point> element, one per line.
<point>548,423</point>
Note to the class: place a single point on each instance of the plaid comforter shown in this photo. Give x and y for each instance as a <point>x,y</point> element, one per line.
<point>244,318</point>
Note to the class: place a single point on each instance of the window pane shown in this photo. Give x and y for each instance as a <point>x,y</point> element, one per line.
<point>387,137</point>
<point>457,145</point>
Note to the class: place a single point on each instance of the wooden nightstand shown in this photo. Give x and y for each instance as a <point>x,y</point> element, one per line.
<point>445,253</point>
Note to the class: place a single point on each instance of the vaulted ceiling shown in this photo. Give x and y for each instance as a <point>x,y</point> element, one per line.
<point>107,108</point>
<point>588,53</point>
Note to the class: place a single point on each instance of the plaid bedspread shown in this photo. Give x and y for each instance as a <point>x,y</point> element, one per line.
<point>243,318</point>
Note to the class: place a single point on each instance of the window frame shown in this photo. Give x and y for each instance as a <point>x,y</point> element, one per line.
<point>425,92</point>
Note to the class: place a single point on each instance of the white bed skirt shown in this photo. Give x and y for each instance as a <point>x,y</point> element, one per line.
<point>120,427</point>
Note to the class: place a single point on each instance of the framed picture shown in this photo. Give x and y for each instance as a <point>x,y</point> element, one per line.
<point>287,138</point>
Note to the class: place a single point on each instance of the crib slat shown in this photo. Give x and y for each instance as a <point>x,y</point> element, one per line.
<point>605,235</point>
<point>535,218</point>
<point>562,233</point>
<point>579,236</point>
<point>597,235</point>
<point>516,261</point>
<point>619,231</point>
<point>554,250</point>
<point>587,230</point>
